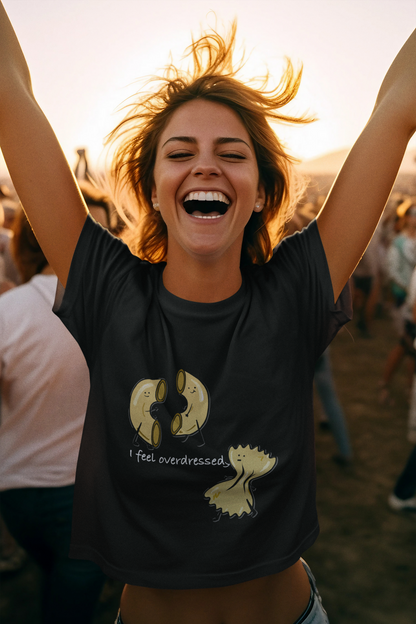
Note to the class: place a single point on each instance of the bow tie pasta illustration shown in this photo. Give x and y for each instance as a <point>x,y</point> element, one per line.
<point>145,399</point>
<point>194,417</point>
<point>234,496</point>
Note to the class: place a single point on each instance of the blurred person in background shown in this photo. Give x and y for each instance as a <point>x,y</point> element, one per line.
<point>44,391</point>
<point>367,279</point>
<point>82,167</point>
<point>403,496</point>
<point>96,197</point>
<point>3,283</point>
<point>98,203</point>
<point>12,556</point>
<point>400,262</point>
<point>332,415</point>
<point>9,206</point>
<point>9,275</point>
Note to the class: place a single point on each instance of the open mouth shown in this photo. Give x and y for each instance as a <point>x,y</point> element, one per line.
<point>206,204</point>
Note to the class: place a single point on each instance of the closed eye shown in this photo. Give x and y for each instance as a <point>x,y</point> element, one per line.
<point>235,156</point>
<point>180,155</point>
<point>183,155</point>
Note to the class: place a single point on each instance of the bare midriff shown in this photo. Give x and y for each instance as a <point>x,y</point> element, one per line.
<point>277,599</point>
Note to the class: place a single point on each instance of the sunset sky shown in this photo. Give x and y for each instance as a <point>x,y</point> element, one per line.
<point>85,56</point>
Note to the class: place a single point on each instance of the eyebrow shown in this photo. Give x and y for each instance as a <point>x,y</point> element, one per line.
<point>219,141</point>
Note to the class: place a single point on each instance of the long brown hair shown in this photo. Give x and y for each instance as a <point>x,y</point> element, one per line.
<point>212,77</point>
<point>28,255</point>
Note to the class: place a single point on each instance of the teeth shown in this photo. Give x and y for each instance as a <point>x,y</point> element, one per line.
<point>207,196</point>
<point>206,216</point>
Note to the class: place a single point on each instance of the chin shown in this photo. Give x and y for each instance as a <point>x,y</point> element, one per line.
<point>207,253</point>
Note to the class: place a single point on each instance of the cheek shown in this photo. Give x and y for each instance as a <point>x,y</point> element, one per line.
<point>167,183</point>
<point>250,186</point>
<point>251,179</point>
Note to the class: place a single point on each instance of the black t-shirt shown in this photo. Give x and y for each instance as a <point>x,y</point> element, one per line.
<point>197,466</point>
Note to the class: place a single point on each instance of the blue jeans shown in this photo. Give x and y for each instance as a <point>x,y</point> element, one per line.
<point>40,520</point>
<point>325,386</point>
<point>314,613</point>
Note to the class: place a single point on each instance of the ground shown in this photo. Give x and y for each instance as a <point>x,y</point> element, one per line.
<point>364,559</point>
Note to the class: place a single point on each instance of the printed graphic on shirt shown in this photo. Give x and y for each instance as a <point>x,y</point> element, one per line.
<point>234,496</point>
<point>145,399</point>
<point>194,417</point>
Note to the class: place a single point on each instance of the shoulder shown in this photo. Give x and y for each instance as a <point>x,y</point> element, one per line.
<point>301,247</point>
<point>309,233</point>
<point>13,304</point>
<point>97,245</point>
<point>14,295</point>
<point>20,298</point>
<point>296,260</point>
<point>104,274</point>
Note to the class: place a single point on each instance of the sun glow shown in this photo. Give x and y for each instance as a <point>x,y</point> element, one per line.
<point>97,50</point>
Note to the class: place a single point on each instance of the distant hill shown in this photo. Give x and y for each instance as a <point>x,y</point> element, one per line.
<point>331,163</point>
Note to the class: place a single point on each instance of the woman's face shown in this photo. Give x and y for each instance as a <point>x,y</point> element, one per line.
<point>206,181</point>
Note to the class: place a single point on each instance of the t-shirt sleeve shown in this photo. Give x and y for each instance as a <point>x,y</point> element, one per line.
<point>95,279</point>
<point>308,273</point>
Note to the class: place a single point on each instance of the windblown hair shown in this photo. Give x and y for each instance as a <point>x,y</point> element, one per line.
<point>27,254</point>
<point>96,198</point>
<point>212,77</point>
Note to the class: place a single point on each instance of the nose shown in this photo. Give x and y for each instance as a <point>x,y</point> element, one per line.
<point>206,167</point>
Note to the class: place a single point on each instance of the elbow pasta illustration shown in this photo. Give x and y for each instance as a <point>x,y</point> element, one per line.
<point>145,398</point>
<point>194,417</point>
<point>234,496</point>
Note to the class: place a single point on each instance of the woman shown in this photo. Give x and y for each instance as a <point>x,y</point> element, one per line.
<point>202,363</point>
<point>400,262</point>
<point>44,391</point>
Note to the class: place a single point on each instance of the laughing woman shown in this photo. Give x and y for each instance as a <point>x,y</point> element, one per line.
<point>202,342</point>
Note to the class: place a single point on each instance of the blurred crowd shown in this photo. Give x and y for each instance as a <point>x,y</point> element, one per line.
<point>40,362</point>
<point>383,283</point>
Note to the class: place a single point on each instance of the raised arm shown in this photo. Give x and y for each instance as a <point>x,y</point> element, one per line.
<point>354,206</point>
<point>36,163</point>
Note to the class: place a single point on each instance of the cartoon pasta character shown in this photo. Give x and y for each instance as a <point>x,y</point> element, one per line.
<point>234,496</point>
<point>145,399</point>
<point>194,417</point>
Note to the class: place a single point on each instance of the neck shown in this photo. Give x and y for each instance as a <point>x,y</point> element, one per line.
<point>202,282</point>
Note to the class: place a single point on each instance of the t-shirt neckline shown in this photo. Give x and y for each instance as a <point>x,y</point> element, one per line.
<point>174,302</point>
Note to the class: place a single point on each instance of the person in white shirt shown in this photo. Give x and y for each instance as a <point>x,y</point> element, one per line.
<point>44,391</point>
